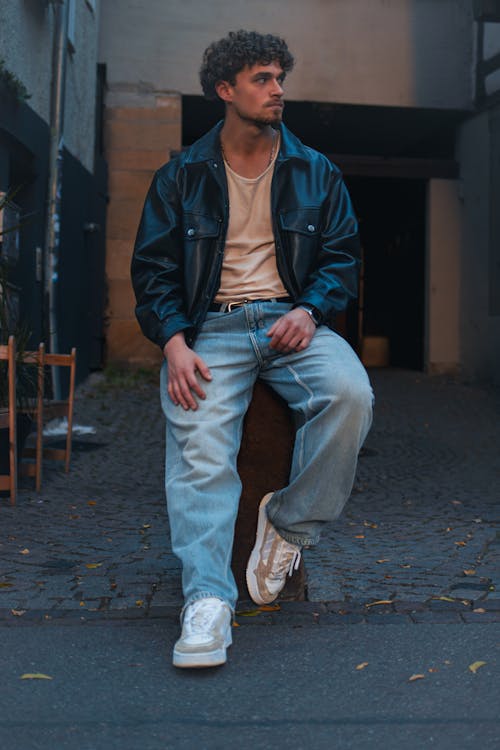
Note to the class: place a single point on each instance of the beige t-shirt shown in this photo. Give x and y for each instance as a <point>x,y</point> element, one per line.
<point>249,267</point>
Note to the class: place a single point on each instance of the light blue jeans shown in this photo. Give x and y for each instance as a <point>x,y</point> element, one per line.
<point>329,392</point>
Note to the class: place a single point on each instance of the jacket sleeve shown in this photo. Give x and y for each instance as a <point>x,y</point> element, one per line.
<point>334,279</point>
<point>157,263</point>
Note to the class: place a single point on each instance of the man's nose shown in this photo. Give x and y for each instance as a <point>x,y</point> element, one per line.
<point>277,89</point>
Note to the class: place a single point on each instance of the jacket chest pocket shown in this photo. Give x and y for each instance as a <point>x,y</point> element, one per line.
<point>198,227</point>
<point>302,221</point>
<point>300,228</point>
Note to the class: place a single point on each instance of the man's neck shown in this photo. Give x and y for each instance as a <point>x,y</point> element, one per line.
<point>247,148</point>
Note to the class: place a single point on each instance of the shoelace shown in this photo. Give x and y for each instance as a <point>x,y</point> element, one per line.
<point>287,560</point>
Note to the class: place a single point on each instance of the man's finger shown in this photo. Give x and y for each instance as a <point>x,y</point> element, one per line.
<point>203,369</point>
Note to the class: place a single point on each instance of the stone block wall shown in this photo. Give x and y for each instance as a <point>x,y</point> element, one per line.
<point>140,131</point>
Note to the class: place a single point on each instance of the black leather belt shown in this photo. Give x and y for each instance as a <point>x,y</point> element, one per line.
<point>228,306</point>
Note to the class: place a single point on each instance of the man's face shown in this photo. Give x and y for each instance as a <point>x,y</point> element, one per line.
<point>257,95</point>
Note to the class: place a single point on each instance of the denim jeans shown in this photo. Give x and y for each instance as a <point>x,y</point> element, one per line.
<point>327,389</point>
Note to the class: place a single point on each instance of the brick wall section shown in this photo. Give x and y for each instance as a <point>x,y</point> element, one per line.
<point>138,141</point>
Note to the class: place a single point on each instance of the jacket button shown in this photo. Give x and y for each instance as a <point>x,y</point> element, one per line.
<point>311,227</point>
<point>190,232</point>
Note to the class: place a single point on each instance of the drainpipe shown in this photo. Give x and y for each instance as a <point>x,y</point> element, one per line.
<point>52,244</point>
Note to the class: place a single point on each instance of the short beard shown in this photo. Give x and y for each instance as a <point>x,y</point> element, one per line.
<point>261,122</point>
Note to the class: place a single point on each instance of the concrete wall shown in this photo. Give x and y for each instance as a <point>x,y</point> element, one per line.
<point>443,277</point>
<point>480,348</point>
<point>381,52</point>
<point>26,32</point>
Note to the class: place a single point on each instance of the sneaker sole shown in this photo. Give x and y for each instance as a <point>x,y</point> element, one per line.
<point>208,659</point>
<point>253,560</point>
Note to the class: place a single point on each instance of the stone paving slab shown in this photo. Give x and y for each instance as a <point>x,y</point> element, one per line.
<point>419,530</point>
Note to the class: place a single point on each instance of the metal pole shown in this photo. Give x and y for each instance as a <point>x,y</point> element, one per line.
<point>59,54</point>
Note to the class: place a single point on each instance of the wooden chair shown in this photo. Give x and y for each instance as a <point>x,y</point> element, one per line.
<point>35,410</point>
<point>8,419</point>
<point>48,409</point>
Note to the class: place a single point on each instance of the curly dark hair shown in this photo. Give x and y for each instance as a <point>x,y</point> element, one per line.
<point>222,60</point>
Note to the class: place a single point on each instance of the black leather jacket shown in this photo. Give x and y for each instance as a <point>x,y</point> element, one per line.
<point>179,248</point>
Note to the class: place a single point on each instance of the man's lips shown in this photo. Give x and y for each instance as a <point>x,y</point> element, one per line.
<point>276,104</point>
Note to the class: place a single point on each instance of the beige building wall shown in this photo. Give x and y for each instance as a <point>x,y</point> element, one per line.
<point>381,52</point>
<point>140,130</point>
<point>402,53</point>
<point>443,277</point>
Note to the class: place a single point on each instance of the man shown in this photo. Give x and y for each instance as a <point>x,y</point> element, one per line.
<point>246,249</point>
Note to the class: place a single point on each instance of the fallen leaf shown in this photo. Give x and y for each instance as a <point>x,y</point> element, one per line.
<point>82,604</point>
<point>381,601</point>
<point>383,560</point>
<point>91,566</point>
<point>24,551</point>
<point>269,607</point>
<point>456,502</point>
<point>470,572</point>
<point>362,665</point>
<point>450,528</point>
<point>479,611</point>
<point>18,612</point>
<point>444,598</point>
<point>92,502</point>
<point>433,669</point>
<point>236,624</point>
<point>476,665</point>
<point>460,544</point>
<point>359,536</point>
<point>35,676</point>
<point>139,602</point>
<point>6,585</point>
<point>405,566</point>
<point>146,525</point>
<point>74,518</point>
<point>416,677</point>
<point>248,613</point>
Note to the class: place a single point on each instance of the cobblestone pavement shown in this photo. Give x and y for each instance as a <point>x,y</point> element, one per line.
<point>417,540</point>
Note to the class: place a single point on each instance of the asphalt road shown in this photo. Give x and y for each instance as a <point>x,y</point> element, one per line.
<point>292,685</point>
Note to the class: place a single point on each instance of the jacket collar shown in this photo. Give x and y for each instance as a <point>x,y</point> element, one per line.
<point>207,148</point>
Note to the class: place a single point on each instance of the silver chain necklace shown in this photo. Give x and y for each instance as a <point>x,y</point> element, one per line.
<point>271,155</point>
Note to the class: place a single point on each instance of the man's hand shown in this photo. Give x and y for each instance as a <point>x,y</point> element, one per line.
<point>292,332</point>
<point>183,364</point>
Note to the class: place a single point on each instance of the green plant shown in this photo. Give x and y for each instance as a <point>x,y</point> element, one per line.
<point>10,324</point>
<point>13,83</point>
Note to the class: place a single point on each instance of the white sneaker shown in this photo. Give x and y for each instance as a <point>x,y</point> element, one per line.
<point>206,633</point>
<point>271,560</point>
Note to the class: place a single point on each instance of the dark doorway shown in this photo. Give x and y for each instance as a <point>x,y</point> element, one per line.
<point>391,214</point>
<point>386,154</point>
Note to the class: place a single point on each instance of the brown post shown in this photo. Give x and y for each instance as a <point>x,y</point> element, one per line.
<point>264,465</point>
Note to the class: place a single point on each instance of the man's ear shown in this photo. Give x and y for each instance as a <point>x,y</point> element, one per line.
<point>224,91</point>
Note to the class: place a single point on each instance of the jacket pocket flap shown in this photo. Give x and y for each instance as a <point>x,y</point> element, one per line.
<point>198,225</point>
<point>301,220</point>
